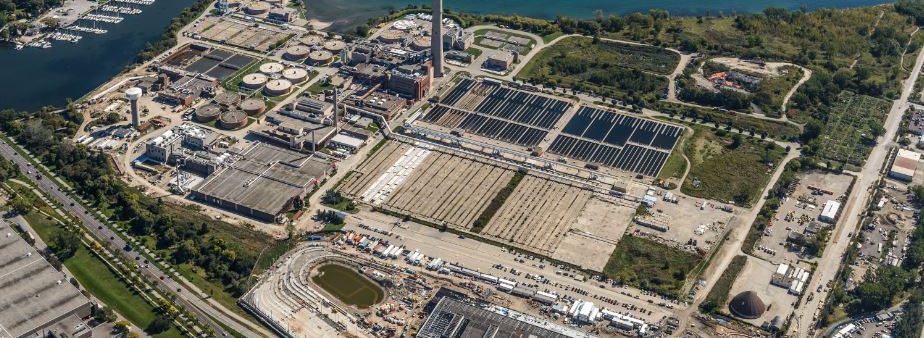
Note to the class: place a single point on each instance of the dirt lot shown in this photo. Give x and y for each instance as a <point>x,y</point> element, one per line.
<point>592,239</point>
<point>694,223</point>
<point>538,213</point>
<point>756,277</point>
<point>798,213</point>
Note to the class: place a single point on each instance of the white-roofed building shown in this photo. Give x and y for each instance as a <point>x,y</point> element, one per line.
<point>904,165</point>
<point>829,212</point>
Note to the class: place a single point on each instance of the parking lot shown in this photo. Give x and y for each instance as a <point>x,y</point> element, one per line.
<point>797,231</point>
<point>886,232</point>
<point>518,267</point>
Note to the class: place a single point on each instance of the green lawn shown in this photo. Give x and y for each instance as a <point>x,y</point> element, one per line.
<point>718,295</point>
<point>723,171</point>
<point>348,286</point>
<point>652,266</point>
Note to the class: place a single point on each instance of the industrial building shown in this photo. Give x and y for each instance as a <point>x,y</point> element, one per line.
<point>790,277</point>
<point>304,124</point>
<point>190,147</point>
<point>375,103</point>
<point>499,60</point>
<point>829,212</point>
<point>36,300</point>
<point>346,142</point>
<point>452,318</point>
<point>904,166</point>
<point>410,82</point>
<point>263,183</point>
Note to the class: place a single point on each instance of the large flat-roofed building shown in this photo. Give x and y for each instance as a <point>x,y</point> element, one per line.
<point>905,164</point>
<point>263,183</point>
<point>36,300</point>
<point>452,318</point>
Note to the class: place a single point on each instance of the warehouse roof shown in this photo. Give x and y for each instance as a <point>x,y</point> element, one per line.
<point>265,179</point>
<point>35,295</point>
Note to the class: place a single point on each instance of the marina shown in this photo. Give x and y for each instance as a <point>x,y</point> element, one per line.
<point>88,22</point>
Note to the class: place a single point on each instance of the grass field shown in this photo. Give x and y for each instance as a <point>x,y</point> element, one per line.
<point>848,134</point>
<point>607,68</point>
<point>724,171</point>
<point>652,266</point>
<point>348,286</point>
<point>718,295</point>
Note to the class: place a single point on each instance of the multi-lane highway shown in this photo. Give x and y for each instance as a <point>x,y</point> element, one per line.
<point>204,310</point>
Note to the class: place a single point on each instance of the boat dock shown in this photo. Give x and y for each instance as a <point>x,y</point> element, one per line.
<point>90,20</point>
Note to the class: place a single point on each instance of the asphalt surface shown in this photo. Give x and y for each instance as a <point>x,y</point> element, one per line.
<point>185,297</point>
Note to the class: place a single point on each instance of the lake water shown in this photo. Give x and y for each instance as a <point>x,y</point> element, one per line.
<point>36,77</point>
<point>348,13</point>
<point>33,78</point>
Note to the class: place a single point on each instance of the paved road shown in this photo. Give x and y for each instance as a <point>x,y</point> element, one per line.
<point>831,259</point>
<point>185,297</point>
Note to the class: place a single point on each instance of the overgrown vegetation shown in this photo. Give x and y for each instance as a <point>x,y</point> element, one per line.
<point>718,295</point>
<point>850,131</point>
<point>496,202</point>
<point>651,266</point>
<point>775,129</point>
<point>603,67</point>
<point>728,166</point>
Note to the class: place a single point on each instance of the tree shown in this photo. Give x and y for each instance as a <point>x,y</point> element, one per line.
<point>160,324</point>
<point>64,244</point>
<point>104,314</point>
<point>20,205</point>
<point>121,326</point>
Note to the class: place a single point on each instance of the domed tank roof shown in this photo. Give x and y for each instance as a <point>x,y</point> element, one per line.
<point>297,52</point>
<point>233,119</point>
<point>320,56</point>
<point>271,68</point>
<point>278,87</point>
<point>228,99</point>
<point>258,8</point>
<point>254,80</point>
<point>295,75</point>
<point>312,40</point>
<point>391,36</point>
<point>747,305</point>
<point>208,113</point>
<point>334,46</point>
<point>253,106</point>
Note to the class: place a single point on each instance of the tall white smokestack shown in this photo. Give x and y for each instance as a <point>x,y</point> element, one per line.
<point>133,94</point>
<point>436,38</point>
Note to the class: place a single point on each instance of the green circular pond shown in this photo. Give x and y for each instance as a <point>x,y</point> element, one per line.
<point>348,286</point>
